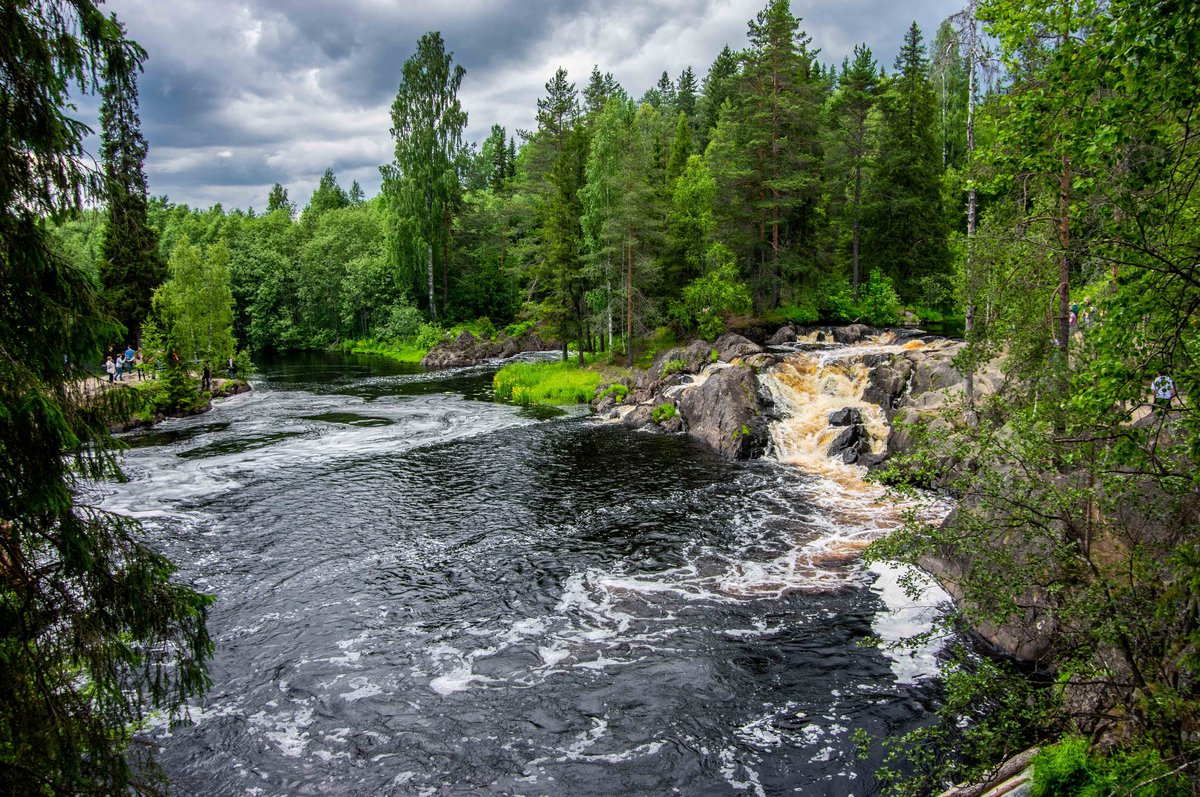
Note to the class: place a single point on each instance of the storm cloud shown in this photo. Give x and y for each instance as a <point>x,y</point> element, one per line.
<point>238,95</point>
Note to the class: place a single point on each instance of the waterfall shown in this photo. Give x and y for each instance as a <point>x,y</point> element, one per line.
<point>808,387</point>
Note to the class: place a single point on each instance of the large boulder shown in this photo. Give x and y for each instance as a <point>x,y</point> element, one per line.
<point>728,412</point>
<point>689,359</point>
<point>731,346</point>
<point>786,334</point>
<point>853,333</point>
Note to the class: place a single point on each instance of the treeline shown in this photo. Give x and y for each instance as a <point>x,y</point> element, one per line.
<point>774,185</point>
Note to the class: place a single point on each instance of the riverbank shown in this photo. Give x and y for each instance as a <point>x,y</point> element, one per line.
<point>151,404</point>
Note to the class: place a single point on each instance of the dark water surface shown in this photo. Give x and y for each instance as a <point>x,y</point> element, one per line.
<point>423,592</point>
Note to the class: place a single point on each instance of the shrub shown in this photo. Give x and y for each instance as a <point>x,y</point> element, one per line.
<point>430,335</point>
<point>1069,769</point>
<point>485,326</point>
<point>403,323</point>
<point>794,313</point>
<point>672,367</point>
<point>518,328</point>
<point>877,300</point>
<point>878,304</point>
<point>617,390</point>
<point>707,301</point>
<point>662,413</point>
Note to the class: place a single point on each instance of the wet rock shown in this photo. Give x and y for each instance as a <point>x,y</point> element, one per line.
<point>672,424</point>
<point>761,361</point>
<point>638,417</point>
<point>854,333</point>
<point>731,345</point>
<point>888,382</point>
<point>728,412</point>
<point>689,359</point>
<point>851,439</point>
<point>786,334</point>
<point>605,404</point>
<point>846,416</point>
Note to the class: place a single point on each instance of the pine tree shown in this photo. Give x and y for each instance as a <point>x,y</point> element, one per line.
<point>355,195</point>
<point>599,89</point>
<point>327,196</point>
<point>718,86</point>
<point>686,94</point>
<point>852,148</point>
<point>95,634</point>
<point>905,228</point>
<point>130,266</point>
<point>775,150</point>
<point>681,150</point>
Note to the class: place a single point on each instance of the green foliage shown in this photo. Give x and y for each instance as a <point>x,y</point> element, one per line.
<point>663,413</point>
<point>1069,769</point>
<point>671,367</point>
<point>617,390</point>
<point>989,712</point>
<point>545,383</point>
<point>197,304</point>
<point>792,313</point>
<point>708,301</point>
<point>878,303</point>
<point>396,350</point>
<point>94,633</point>
<point>130,267</point>
<point>422,184</point>
<point>905,233</point>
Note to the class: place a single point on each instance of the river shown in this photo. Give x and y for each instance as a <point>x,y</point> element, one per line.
<point>421,591</point>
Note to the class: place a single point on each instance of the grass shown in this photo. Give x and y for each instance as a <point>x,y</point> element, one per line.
<point>546,383</point>
<point>402,351</point>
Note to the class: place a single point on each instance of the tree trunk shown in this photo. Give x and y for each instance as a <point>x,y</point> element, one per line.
<point>969,316</point>
<point>629,298</point>
<point>854,235</point>
<point>433,314</point>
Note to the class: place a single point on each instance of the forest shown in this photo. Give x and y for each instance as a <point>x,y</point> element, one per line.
<point>1030,162</point>
<point>775,185</point>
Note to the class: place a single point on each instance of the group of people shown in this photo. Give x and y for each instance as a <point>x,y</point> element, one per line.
<point>1082,316</point>
<point>127,362</point>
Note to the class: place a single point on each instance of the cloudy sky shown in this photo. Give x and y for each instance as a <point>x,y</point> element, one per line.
<point>240,94</point>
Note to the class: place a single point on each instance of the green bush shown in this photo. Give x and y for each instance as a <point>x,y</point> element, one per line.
<point>837,300</point>
<point>662,413</point>
<point>709,300</point>
<point>1062,769</point>
<point>673,366</point>
<point>877,300</point>
<point>617,390</point>
<point>518,328</point>
<point>429,335</point>
<point>485,326</point>
<point>1069,769</point>
<point>403,323</point>
<point>878,303</point>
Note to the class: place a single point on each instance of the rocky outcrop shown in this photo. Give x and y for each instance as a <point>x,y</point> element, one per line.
<point>728,412</point>
<point>224,389</point>
<point>467,350</point>
<point>908,384</point>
